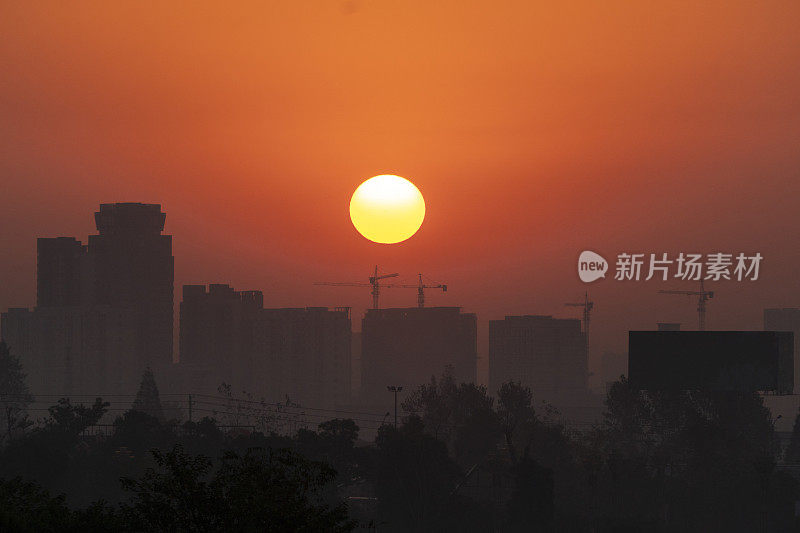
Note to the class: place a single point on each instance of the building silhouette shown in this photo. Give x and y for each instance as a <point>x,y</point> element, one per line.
<point>103,311</point>
<point>732,361</point>
<point>62,272</point>
<point>298,353</point>
<point>406,346</point>
<point>134,269</point>
<point>786,319</point>
<point>304,354</point>
<point>216,332</point>
<point>544,353</point>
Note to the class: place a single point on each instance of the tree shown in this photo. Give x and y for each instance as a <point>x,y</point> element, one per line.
<point>73,419</point>
<point>25,506</point>
<point>461,415</point>
<point>706,457</point>
<point>48,454</point>
<point>517,418</point>
<point>333,443</point>
<point>414,477</point>
<point>174,496</point>
<point>279,490</point>
<point>261,490</point>
<point>147,399</point>
<point>793,450</point>
<point>531,504</point>
<point>14,393</point>
<point>140,432</point>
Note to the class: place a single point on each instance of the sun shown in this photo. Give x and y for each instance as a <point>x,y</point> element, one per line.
<point>387,209</point>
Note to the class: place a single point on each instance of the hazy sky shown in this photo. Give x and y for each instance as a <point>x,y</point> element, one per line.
<point>534,132</point>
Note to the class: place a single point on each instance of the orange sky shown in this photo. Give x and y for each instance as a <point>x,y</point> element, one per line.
<point>533,132</point>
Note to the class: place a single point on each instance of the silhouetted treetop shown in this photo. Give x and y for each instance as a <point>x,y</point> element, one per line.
<point>147,399</point>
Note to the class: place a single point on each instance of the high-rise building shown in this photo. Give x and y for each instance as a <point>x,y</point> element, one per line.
<point>298,353</point>
<point>134,269</point>
<point>73,350</point>
<point>406,346</point>
<point>104,311</point>
<point>787,319</point>
<point>216,335</point>
<point>303,354</point>
<point>61,272</point>
<point>544,353</point>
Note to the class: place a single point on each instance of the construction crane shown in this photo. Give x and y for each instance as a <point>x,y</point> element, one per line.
<point>420,289</point>
<point>702,297</point>
<point>374,282</point>
<point>587,313</point>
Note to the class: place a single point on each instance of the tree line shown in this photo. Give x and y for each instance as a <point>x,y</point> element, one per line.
<point>461,459</point>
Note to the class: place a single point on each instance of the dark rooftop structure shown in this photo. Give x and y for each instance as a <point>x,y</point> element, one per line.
<point>741,361</point>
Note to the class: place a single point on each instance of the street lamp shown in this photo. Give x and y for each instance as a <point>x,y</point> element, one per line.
<point>395,389</point>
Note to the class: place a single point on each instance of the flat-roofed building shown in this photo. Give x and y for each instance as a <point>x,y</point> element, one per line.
<point>544,353</point>
<point>406,346</point>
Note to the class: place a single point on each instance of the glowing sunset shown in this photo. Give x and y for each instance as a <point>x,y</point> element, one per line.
<point>482,266</point>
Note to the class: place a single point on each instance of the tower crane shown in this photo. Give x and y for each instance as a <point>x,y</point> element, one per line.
<point>587,313</point>
<point>420,289</point>
<point>702,297</point>
<point>374,282</point>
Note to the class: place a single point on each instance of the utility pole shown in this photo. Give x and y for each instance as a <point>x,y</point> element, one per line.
<point>395,389</point>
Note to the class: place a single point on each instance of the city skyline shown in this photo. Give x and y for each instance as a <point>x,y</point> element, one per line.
<point>123,278</point>
<point>681,311</point>
<point>657,130</point>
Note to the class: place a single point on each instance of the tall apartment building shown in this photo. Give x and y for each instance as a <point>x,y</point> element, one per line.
<point>304,354</point>
<point>216,336</point>
<point>298,353</point>
<point>62,272</point>
<point>406,346</point>
<point>547,354</point>
<point>103,311</point>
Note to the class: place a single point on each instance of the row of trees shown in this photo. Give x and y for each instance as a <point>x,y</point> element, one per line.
<point>461,460</point>
<point>260,490</point>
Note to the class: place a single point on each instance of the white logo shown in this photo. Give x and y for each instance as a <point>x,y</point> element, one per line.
<point>591,266</point>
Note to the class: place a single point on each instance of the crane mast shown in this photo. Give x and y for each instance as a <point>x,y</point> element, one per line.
<point>421,286</point>
<point>587,306</point>
<point>702,297</point>
<point>374,281</point>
